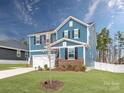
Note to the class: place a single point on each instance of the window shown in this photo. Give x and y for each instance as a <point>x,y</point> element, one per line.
<point>76,33</point>
<point>44,39</point>
<point>71,53</point>
<point>18,53</point>
<point>71,24</point>
<point>38,39</point>
<point>66,34</point>
<point>64,43</point>
<point>26,54</point>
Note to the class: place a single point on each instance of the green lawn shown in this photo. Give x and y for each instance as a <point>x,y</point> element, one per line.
<point>74,82</point>
<point>10,66</point>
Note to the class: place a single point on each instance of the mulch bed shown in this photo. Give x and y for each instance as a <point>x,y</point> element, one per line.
<point>54,86</point>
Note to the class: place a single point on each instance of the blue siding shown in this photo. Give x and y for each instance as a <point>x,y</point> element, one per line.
<point>36,47</point>
<point>80,52</point>
<point>62,53</point>
<point>90,51</point>
<point>76,25</point>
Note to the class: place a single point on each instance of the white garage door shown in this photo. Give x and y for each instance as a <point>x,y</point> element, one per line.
<point>41,60</point>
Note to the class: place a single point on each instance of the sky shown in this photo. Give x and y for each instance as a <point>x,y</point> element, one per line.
<point>18,18</point>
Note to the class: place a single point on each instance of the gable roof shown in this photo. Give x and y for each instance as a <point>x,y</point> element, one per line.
<point>66,39</point>
<point>75,19</point>
<point>13,44</point>
<point>64,22</point>
<point>45,31</point>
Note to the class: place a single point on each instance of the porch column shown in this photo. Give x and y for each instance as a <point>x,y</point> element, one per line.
<point>84,55</point>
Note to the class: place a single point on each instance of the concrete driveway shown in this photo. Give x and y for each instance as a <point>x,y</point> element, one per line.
<point>13,72</point>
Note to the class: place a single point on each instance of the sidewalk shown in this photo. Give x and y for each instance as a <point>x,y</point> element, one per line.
<point>13,72</point>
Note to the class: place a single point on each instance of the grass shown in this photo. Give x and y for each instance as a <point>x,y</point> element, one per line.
<point>10,66</point>
<point>74,82</point>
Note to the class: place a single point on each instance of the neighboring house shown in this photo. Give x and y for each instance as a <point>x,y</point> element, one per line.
<point>12,50</point>
<point>72,40</point>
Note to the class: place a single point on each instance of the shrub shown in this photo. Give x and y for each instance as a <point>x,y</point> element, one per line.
<point>40,68</point>
<point>79,68</point>
<point>62,67</point>
<point>46,67</point>
<point>70,67</point>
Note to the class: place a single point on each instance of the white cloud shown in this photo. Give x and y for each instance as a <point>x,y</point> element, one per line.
<point>110,25</point>
<point>91,10</point>
<point>25,10</point>
<point>116,4</point>
<point>118,7</point>
<point>112,3</point>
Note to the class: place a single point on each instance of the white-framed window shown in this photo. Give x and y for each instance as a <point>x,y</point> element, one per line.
<point>18,53</point>
<point>71,53</point>
<point>70,23</point>
<point>64,44</point>
<point>37,39</point>
<point>26,54</point>
<point>65,33</point>
<point>76,33</point>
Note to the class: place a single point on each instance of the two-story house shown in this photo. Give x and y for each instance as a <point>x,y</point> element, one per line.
<point>72,40</point>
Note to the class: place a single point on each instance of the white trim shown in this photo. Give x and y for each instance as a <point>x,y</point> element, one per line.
<point>38,50</point>
<point>68,46</point>
<point>29,47</point>
<point>58,48</point>
<point>74,41</point>
<point>74,53</point>
<point>13,48</point>
<point>84,55</point>
<point>67,19</point>
<point>88,34</point>
<point>74,33</point>
<point>59,53</point>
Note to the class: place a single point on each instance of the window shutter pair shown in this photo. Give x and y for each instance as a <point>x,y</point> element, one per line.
<point>35,40</point>
<point>76,53</point>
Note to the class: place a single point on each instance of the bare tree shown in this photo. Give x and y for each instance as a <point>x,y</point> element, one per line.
<point>49,56</point>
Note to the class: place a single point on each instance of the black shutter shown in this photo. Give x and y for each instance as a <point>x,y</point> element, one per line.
<point>76,53</point>
<point>34,40</point>
<point>40,39</point>
<point>66,53</point>
<point>79,33</point>
<point>63,34</point>
<point>73,34</point>
<point>68,34</point>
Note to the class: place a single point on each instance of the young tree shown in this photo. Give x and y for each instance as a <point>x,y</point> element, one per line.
<point>103,39</point>
<point>119,39</point>
<point>49,56</point>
